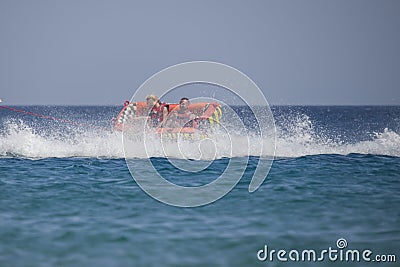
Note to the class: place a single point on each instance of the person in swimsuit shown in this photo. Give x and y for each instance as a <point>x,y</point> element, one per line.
<point>183,117</point>
<point>157,111</point>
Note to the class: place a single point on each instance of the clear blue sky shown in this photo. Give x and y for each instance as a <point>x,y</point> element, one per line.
<point>298,52</point>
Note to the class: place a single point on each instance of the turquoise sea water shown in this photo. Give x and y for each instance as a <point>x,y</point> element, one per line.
<point>68,199</point>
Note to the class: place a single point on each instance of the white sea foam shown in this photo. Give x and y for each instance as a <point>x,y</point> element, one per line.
<point>297,139</point>
<point>300,139</point>
<point>21,140</point>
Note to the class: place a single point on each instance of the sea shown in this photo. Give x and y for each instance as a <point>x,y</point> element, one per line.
<point>68,197</point>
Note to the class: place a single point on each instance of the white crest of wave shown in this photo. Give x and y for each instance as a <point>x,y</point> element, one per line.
<point>300,139</point>
<point>385,143</point>
<point>21,140</point>
<point>214,147</point>
<point>296,140</point>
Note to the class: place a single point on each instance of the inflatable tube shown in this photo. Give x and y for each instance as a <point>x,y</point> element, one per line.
<point>208,116</point>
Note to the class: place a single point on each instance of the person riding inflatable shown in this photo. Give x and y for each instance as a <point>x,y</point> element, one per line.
<point>184,117</point>
<point>157,111</point>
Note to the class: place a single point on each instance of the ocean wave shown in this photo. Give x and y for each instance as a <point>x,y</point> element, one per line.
<point>21,140</point>
<point>297,138</point>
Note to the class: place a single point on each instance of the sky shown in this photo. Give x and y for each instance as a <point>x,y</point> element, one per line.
<point>342,52</point>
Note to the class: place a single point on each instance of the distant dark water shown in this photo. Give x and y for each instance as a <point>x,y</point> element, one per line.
<point>67,197</point>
